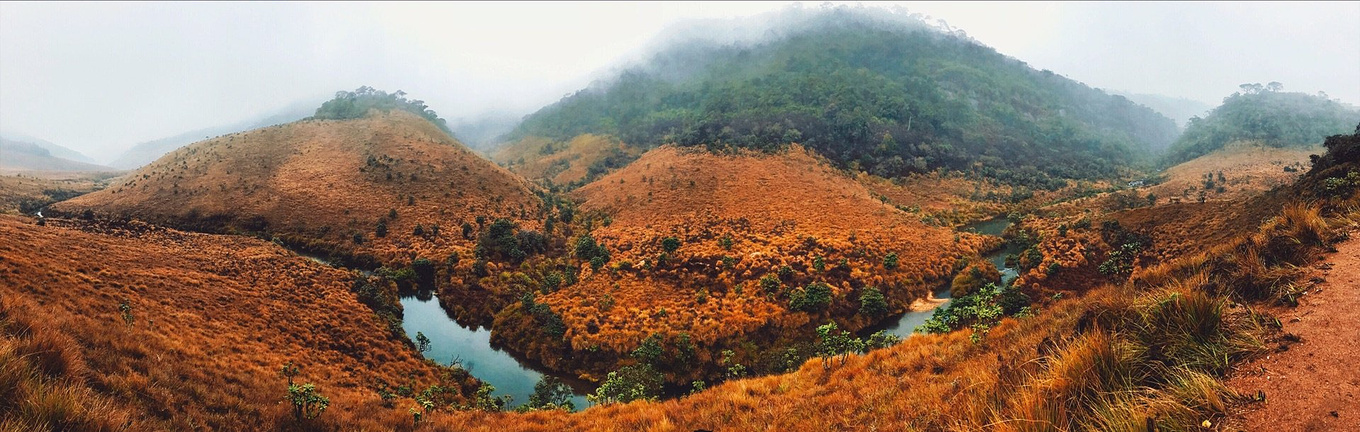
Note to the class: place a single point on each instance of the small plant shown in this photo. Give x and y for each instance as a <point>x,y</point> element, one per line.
<point>734,369</point>
<point>890,261</point>
<point>126,310</point>
<point>422,343</point>
<point>770,284</point>
<point>819,264</point>
<point>724,242</point>
<point>381,230</point>
<point>307,402</point>
<point>836,343</point>
<point>670,244</point>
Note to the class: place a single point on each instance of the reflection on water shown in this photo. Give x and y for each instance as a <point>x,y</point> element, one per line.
<point>451,342</point>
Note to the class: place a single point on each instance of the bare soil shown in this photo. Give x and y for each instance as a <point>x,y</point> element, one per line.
<point>1312,381</point>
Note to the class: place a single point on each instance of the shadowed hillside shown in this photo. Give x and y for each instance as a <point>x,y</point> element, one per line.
<point>18,156</point>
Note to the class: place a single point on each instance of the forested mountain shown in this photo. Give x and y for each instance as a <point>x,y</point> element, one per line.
<point>1265,114</point>
<point>881,92</point>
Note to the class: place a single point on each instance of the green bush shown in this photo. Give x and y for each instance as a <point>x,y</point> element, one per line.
<point>813,298</point>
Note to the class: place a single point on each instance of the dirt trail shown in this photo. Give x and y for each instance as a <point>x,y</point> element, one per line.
<point>1314,384</point>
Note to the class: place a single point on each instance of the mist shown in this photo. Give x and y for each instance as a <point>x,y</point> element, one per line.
<point>100,78</point>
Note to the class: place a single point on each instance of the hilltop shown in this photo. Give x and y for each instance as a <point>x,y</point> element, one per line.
<point>383,188</point>
<point>886,94</point>
<point>1264,114</point>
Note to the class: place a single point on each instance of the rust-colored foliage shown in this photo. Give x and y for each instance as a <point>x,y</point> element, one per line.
<point>563,163</point>
<point>320,183</point>
<point>209,321</point>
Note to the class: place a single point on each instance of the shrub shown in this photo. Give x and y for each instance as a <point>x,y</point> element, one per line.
<point>770,284</point>
<point>890,261</point>
<point>650,350</point>
<point>832,343</point>
<point>725,242</point>
<point>550,393</point>
<point>872,303</point>
<point>381,230</point>
<point>630,383</point>
<point>814,298</point>
<point>307,402</point>
<point>670,244</point>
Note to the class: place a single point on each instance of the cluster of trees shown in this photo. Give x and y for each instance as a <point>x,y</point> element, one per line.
<point>1266,114</point>
<point>356,104</point>
<point>888,100</point>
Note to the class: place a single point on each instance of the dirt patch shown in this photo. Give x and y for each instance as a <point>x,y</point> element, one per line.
<point>1312,381</point>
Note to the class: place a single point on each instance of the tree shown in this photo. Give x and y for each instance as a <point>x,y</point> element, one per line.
<point>422,342</point>
<point>628,384</point>
<point>836,343</point>
<point>872,303</point>
<point>550,393</point>
<point>650,350</point>
<point>890,261</point>
<point>1274,86</point>
<point>813,298</point>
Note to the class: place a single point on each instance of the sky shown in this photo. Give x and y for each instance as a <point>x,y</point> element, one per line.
<point>101,77</point>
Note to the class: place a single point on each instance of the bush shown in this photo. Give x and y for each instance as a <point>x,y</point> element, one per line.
<point>872,303</point>
<point>670,244</point>
<point>890,261</point>
<point>307,402</point>
<point>814,298</point>
<point>550,393</point>
<point>381,230</point>
<point>630,383</point>
<point>770,284</point>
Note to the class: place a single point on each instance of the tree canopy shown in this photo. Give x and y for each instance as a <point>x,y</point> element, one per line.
<point>885,97</point>
<point>356,104</point>
<point>1266,114</point>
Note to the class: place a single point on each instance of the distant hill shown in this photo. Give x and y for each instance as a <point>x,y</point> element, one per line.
<point>144,153</point>
<point>29,156</point>
<point>482,133</point>
<point>1175,108</point>
<point>354,189</point>
<point>876,91</point>
<point>1272,118</point>
<point>56,150</point>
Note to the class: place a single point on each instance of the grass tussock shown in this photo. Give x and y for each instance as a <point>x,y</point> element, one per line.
<point>42,381</point>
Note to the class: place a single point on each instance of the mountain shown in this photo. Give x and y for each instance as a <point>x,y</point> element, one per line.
<point>483,132</point>
<point>143,153</point>
<point>1175,108</point>
<point>56,150</point>
<point>381,188</point>
<point>30,156</point>
<point>881,92</point>
<point>1270,117</point>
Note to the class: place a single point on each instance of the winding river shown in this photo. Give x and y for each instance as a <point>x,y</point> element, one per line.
<point>905,325</point>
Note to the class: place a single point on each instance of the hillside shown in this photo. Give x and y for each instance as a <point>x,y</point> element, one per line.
<point>209,320</point>
<point>144,153</point>
<point>1179,109</point>
<point>887,94</point>
<point>1236,171</point>
<point>707,252</point>
<point>19,156</point>
<point>572,163</point>
<point>1266,115</point>
<point>326,186</point>
<point>30,193</point>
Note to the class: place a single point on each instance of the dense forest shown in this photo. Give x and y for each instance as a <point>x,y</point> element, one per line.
<point>1266,114</point>
<point>888,96</point>
<point>356,104</point>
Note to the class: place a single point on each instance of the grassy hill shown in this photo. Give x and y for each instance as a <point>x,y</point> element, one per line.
<point>710,252</point>
<point>355,189</point>
<point>880,92</point>
<point>1271,117</point>
<point>128,326</point>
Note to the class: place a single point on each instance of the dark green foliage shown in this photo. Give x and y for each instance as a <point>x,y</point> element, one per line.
<point>503,240</point>
<point>422,342</point>
<point>467,230</point>
<point>419,231</point>
<point>725,242</point>
<point>832,343</point>
<point>425,272</point>
<point>1274,118</point>
<point>882,94</point>
<point>670,244</point>
<point>890,261</point>
<point>587,250</point>
<point>308,403</point>
<point>770,284</point>
<point>550,393</point>
<point>630,383</point>
<point>813,298</point>
<point>381,229</point>
<point>981,309</point>
<point>549,321</point>
<point>356,104</point>
<point>872,303</point>
<point>880,339</point>
<point>650,351</point>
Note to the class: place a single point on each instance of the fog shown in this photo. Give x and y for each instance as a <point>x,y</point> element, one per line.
<point>101,77</point>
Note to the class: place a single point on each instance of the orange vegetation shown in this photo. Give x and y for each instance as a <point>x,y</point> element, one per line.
<point>39,189</point>
<point>946,199</point>
<point>1248,169</point>
<point>563,163</point>
<point>211,319</point>
<point>738,219</point>
<point>320,183</point>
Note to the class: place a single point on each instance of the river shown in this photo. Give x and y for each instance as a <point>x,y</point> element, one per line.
<point>905,325</point>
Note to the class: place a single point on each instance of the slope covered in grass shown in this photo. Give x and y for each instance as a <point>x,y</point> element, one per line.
<point>1269,116</point>
<point>357,189</point>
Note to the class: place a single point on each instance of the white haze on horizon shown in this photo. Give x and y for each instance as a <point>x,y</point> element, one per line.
<point>101,77</point>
